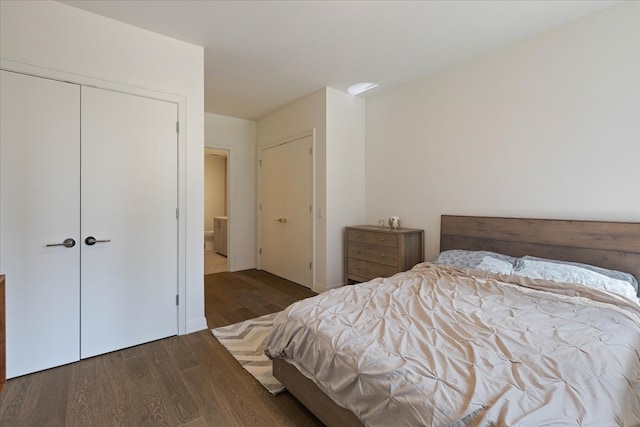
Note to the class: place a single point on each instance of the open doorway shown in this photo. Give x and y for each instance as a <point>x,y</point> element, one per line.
<point>215,210</point>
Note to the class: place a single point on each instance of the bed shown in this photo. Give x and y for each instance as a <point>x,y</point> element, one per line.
<point>485,358</point>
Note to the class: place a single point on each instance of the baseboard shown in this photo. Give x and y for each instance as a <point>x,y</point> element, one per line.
<point>320,288</point>
<point>240,267</point>
<point>195,325</point>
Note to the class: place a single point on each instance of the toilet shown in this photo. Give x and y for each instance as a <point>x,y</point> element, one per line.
<point>208,240</point>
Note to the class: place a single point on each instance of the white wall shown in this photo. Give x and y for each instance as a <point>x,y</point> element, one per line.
<point>215,188</point>
<point>56,39</point>
<point>239,137</point>
<point>345,186</point>
<point>548,127</point>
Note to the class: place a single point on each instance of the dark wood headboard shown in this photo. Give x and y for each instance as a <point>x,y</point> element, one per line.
<point>614,245</point>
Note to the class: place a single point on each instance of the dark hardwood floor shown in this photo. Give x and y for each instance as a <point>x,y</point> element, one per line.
<point>188,380</point>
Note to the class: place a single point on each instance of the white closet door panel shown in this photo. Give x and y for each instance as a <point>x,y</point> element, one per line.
<point>129,196</point>
<point>296,203</point>
<point>287,222</point>
<point>271,226</point>
<point>40,205</point>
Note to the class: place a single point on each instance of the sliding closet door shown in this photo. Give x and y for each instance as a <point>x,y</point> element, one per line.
<point>40,206</point>
<point>129,200</point>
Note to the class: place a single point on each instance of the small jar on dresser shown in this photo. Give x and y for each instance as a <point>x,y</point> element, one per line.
<point>371,251</point>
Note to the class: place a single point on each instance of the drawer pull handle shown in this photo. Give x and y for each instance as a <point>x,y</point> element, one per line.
<point>382,239</point>
<point>381,256</point>
<point>357,236</point>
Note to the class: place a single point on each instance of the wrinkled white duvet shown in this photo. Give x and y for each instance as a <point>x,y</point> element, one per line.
<point>442,346</point>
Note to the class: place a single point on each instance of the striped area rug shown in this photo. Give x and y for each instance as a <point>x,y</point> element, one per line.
<point>245,342</point>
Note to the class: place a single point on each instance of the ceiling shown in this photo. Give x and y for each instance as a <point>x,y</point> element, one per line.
<point>261,55</point>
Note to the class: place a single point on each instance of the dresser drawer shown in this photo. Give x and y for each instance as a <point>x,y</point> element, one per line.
<point>371,251</point>
<point>376,253</point>
<point>384,239</point>
<point>369,270</point>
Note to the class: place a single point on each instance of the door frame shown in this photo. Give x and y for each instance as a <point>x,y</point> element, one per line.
<point>181,101</point>
<point>310,133</point>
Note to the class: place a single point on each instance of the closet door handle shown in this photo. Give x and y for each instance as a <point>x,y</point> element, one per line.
<point>90,241</point>
<point>281,220</point>
<point>67,243</point>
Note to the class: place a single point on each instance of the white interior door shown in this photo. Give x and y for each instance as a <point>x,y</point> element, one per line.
<point>40,205</point>
<point>287,222</point>
<point>271,219</point>
<point>129,198</point>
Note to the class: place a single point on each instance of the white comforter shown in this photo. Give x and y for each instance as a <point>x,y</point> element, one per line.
<point>438,346</point>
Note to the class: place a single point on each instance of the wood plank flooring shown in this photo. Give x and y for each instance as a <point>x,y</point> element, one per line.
<point>188,380</point>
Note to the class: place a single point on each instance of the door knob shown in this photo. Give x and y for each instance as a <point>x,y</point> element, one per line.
<point>67,243</point>
<point>90,241</point>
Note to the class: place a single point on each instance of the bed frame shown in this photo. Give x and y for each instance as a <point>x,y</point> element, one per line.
<point>613,245</point>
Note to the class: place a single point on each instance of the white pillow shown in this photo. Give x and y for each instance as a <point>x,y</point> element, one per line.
<point>495,265</point>
<point>573,274</point>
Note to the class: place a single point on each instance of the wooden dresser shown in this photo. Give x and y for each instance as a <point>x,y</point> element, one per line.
<point>371,251</point>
